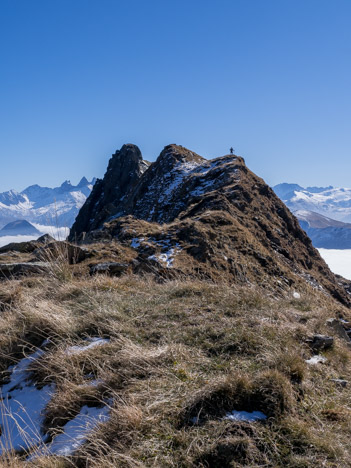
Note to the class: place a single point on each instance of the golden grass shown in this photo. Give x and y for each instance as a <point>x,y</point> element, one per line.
<point>180,350</point>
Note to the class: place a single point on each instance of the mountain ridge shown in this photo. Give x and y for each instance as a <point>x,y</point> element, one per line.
<point>190,216</point>
<point>43,205</point>
<point>332,202</point>
<point>324,213</point>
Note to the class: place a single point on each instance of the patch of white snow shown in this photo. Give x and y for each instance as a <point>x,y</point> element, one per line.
<point>22,406</point>
<point>92,343</point>
<point>316,360</point>
<point>245,416</point>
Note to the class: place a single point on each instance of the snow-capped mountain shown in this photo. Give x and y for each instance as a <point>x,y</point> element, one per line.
<point>332,202</point>
<point>57,206</point>
<point>323,212</point>
<point>325,232</point>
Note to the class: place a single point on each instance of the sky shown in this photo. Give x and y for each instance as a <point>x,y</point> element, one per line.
<point>79,78</point>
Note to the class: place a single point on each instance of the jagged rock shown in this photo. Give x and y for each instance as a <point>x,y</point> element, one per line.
<point>45,239</point>
<point>321,342</point>
<point>13,270</point>
<point>124,170</point>
<point>109,268</point>
<point>338,327</point>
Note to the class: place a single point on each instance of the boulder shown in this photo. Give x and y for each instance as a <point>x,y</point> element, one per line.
<point>109,268</point>
<point>321,342</point>
<point>339,328</point>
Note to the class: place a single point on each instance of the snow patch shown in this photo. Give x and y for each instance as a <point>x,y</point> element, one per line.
<point>316,360</point>
<point>245,416</point>
<point>93,343</point>
<point>75,432</point>
<point>22,408</point>
<point>166,257</point>
<point>135,242</point>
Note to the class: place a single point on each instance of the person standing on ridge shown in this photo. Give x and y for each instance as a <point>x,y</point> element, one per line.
<point>231,150</point>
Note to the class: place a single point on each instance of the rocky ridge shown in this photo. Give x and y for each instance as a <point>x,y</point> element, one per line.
<point>214,219</point>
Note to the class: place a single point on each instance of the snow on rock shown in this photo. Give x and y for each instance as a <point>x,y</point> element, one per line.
<point>166,257</point>
<point>316,360</point>
<point>245,416</point>
<point>296,295</point>
<point>135,242</point>
<point>22,408</point>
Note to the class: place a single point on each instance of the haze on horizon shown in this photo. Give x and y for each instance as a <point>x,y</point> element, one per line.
<point>79,79</point>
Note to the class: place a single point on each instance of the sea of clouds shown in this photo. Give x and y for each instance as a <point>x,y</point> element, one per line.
<point>59,233</point>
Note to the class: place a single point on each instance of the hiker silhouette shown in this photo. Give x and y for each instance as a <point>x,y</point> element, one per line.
<point>231,150</point>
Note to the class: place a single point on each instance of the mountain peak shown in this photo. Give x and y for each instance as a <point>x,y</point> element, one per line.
<point>66,184</point>
<point>19,227</point>
<point>83,182</point>
<point>216,216</point>
<point>173,154</point>
<point>124,170</point>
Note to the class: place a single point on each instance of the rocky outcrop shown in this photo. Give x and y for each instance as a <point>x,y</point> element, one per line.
<point>14,270</point>
<point>27,247</point>
<point>212,219</point>
<point>124,171</point>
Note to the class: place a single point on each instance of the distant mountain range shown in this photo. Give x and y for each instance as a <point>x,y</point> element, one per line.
<point>323,212</point>
<point>329,201</point>
<point>57,206</point>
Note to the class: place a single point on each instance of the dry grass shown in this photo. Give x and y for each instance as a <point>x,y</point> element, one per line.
<point>180,350</point>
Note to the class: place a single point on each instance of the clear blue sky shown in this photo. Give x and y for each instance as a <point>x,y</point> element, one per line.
<point>81,77</point>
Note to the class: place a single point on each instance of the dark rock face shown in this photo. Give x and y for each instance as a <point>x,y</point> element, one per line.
<point>321,342</point>
<point>177,178</point>
<point>124,170</point>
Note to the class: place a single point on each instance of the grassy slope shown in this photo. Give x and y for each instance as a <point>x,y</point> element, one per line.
<point>179,350</point>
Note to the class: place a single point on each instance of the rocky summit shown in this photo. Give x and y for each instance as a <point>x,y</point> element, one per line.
<point>189,216</point>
